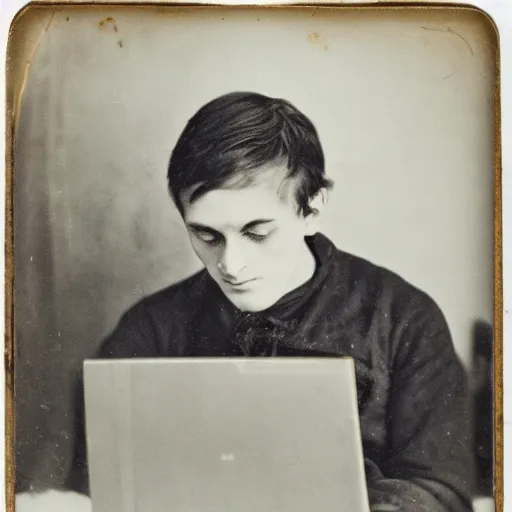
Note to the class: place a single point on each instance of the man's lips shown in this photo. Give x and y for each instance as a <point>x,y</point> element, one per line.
<point>238,283</point>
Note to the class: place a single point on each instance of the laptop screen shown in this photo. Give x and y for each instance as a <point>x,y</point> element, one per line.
<point>266,434</point>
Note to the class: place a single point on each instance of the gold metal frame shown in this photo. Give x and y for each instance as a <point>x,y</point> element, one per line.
<point>16,70</point>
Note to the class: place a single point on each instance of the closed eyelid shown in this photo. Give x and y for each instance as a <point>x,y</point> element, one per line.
<point>207,235</point>
<point>258,228</point>
<point>258,232</point>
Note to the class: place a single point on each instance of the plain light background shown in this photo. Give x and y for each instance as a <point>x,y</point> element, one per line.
<point>365,222</point>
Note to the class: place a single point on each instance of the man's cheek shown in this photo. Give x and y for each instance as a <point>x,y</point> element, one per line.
<point>273,259</point>
<point>206,256</point>
<point>280,249</point>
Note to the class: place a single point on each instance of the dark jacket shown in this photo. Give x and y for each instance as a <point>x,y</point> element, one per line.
<point>411,385</point>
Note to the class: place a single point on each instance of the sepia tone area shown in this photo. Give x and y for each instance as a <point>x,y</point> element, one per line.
<point>404,104</point>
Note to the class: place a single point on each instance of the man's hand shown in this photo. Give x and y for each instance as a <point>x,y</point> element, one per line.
<point>381,501</point>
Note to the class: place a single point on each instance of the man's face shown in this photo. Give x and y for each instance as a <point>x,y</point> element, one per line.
<point>251,240</point>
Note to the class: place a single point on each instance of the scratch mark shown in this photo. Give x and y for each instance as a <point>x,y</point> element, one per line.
<point>315,11</point>
<point>448,30</point>
<point>28,63</point>
<point>109,20</point>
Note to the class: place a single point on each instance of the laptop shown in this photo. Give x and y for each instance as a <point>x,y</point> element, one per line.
<point>224,435</point>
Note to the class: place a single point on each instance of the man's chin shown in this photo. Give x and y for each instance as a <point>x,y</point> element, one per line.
<point>250,302</point>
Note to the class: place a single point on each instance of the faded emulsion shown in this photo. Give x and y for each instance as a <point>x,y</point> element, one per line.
<point>307,182</point>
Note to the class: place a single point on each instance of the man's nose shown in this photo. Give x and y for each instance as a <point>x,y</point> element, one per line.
<point>231,261</point>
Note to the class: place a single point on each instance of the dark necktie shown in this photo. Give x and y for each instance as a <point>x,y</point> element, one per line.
<point>258,335</point>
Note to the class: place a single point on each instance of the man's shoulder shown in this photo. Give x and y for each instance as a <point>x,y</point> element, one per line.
<point>408,317</point>
<point>176,298</point>
<point>188,288</point>
<point>382,285</point>
<point>362,270</point>
<point>143,329</point>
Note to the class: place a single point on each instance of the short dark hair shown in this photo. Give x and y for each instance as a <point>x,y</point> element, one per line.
<point>240,132</point>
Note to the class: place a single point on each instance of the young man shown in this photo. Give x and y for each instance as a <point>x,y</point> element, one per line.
<point>247,175</point>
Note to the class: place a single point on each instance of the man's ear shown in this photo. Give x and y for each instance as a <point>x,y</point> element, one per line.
<point>316,205</point>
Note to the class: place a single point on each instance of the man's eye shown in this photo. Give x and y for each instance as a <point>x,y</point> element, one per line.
<point>257,237</point>
<point>208,238</point>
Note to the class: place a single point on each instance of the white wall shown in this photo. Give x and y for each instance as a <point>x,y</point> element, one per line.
<point>403,104</point>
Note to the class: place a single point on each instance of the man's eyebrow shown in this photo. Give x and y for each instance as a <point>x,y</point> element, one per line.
<point>200,227</point>
<point>257,222</point>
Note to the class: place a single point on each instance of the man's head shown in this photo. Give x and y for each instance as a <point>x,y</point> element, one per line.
<point>247,175</point>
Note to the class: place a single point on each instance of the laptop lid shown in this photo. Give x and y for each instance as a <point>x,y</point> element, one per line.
<point>265,434</point>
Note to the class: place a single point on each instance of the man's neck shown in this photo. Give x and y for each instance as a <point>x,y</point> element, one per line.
<point>305,268</point>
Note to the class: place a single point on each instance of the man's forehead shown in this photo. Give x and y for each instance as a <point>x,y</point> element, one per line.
<point>268,189</point>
